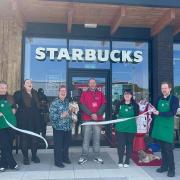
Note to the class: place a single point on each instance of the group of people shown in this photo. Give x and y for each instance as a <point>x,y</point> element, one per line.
<point>92,107</point>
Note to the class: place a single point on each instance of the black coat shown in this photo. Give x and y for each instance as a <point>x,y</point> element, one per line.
<point>28,117</point>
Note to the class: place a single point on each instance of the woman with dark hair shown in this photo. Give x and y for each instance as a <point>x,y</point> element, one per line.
<point>28,118</point>
<point>60,117</point>
<point>125,131</point>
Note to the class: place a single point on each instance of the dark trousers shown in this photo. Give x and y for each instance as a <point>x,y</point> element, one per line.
<point>167,155</point>
<point>124,139</point>
<point>6,141</point>
<point>61,145</point>
<point>27,142</point>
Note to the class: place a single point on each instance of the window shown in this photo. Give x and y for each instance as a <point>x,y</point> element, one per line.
<point>47,74</point>
<point>89,45</point>
<point>176,66</point>
<point>130,75</point>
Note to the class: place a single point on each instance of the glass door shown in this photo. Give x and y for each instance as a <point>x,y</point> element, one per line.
<point>77,83</point>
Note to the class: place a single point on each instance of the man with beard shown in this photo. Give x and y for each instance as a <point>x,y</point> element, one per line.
<point>163,127</point>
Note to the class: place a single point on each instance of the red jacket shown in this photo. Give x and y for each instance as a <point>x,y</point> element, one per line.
<point>93,100</point>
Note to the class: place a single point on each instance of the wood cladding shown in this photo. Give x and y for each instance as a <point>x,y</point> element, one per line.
<point>10,53</point>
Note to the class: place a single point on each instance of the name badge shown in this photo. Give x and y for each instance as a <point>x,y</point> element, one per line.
<point>94,104</point>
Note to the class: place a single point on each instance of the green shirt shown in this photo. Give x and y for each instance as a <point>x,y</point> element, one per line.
<point>6,110</point>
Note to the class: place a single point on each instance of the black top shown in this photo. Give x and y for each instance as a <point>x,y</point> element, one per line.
<point>174,104</point>
<point>5,97</point>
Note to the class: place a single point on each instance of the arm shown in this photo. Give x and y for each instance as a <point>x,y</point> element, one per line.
<point>54,115</point>
<point>17,97</point>
<point>102,108</point>
<point>136,109</point>
<point>85,109</point>
<point>117,105</point>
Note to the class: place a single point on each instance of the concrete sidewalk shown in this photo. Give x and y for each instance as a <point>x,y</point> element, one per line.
<point>91,170</point>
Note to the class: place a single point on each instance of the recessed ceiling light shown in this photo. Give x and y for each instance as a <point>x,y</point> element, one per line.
<point>90,25</point>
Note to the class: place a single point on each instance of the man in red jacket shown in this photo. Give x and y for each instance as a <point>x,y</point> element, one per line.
<point>92,104</point>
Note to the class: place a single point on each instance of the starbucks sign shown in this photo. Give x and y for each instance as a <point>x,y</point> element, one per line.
<point>89,55</point>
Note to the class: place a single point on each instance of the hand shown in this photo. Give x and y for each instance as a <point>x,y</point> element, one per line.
<point>73,109</point>
<point>14,111</point>
<point>155,112</point>
<point>64,114</point>
<point>94,117</point>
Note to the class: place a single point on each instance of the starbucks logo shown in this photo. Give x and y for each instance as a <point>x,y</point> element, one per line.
<point>2,105</point>
<point>162,105</point>
<point>126,110</point>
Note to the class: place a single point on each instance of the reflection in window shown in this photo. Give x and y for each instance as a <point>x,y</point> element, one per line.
<point>89,44</point>
<point>130,75</point>
<point>176,64</point>
<point>46,74</point>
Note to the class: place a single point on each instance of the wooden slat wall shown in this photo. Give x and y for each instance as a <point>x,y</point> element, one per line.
<point>10,53</point>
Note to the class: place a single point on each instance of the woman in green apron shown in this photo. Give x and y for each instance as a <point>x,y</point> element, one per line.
<point>125,131</point>
<point>6,133</point>
<point>163,128</point>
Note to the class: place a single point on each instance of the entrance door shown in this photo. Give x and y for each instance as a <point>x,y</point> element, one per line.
<point>78,82</point>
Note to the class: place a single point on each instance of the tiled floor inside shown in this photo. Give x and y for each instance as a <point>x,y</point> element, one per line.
<point>91,170</point>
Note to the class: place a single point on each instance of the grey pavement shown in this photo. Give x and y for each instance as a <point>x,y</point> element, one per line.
<point>89,171</point>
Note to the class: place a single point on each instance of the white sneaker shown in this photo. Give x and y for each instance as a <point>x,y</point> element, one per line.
<point>126,165</point>
<point>2,169</point>
<point>16,167</point>
<point>82,160</point>
<point>120,165</point>
<point>99,160</point>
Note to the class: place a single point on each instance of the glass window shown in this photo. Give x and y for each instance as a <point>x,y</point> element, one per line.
<point>131,69</point>
<point>91,54</point>
<point>46,72</point>
<point>176,66</point>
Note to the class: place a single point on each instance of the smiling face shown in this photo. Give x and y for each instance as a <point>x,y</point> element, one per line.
<point>62,93</point>
<point>92,83</point>
<point>28,85</point>
<point>127,97</point>
<point>165,89</point>
<point>3,89</point>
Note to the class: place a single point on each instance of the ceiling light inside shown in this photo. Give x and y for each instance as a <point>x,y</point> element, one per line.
<point>90,25</point>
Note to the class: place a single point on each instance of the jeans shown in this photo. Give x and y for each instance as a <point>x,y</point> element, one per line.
<point>91,132</point>
<point>62,140</point>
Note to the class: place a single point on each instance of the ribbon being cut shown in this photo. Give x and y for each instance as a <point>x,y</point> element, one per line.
<point>10,120</point>
<point>118,120</point>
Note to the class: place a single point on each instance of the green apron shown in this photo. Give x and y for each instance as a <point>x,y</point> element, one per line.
<point>6,109</point>
<point>126,111</point>
<point>163,128</point>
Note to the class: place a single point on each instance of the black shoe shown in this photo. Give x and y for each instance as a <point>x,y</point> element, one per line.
<point>60,165</point>
<point>161,170</point>
<point>171,173</point>
<point>35,159</point>
<point>26,161</point>
<point>67,161</point>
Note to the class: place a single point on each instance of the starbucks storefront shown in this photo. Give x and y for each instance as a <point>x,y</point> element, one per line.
<point>116,65</point>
